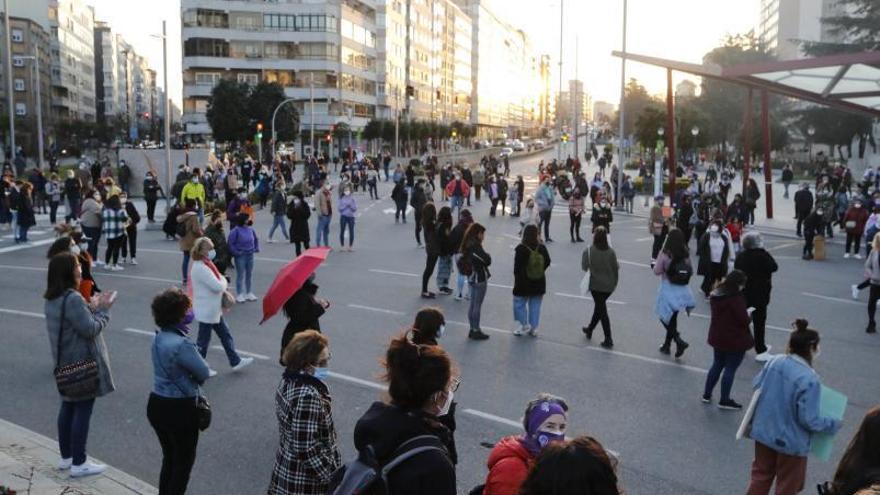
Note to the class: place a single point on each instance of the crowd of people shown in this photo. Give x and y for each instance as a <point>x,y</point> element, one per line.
<point>415,427</point>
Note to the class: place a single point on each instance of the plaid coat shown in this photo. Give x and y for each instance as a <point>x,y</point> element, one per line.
<point>307,454</point>
<point>114,223</point>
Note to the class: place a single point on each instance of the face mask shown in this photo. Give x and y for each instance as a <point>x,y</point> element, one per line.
<point>347,193</point>
<point>817,352</point>
<point>212,254</point>
<point>82,247</point>
<point>97,197</point>
<point>546,437</point>
<point>441,331</point>
<point>858,205</point>
<point>188,317</point>
<point>194,180</point>
<point>123,200</point>
<point>296,201</point>
<point>713,229</point>
<point>321,373</point>
<point>818,212</point>
<point>242,196</point>
<point>446,405</point>
<point>75,250</point>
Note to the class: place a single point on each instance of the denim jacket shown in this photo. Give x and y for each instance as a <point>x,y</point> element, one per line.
<point>787,412</point>
<point>178,368</point>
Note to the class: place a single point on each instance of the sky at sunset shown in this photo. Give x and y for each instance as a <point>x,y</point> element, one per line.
<point>678,29</point>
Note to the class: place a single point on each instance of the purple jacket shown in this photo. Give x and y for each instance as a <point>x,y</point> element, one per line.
<point>347,206</point>
<point>234,207</point>
<point>243,240</point>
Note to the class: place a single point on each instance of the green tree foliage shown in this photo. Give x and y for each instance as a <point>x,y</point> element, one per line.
<point>636,99</point>
<point>262,101</point>
<point>228,113</point>
<point>836,128</point>
<point>341,131</point>
<point>646,123</point>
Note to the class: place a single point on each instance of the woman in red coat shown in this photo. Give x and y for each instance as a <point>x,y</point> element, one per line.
<point>854,221</point>
<point>509,462</point>
<point>729,336</point>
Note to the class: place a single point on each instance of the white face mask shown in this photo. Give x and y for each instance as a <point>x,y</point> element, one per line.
<point>296,201</point>
<point>713,229</point>
<point>97,197</point>
<point>195,180</point>
<point>75,250</point>
<point>212,254</point>
<point>82,247</point>
<point>242,196</point>
<point>441,331</point>
<point>347,193</point>
<point>444,410</point>
<point>123,200</point>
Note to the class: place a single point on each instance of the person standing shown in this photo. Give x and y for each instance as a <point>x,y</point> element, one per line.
<point>729,337</point>
<point>243,245</point>
<point>544,200</point>
<point>53,194</point>
<point>303,311</point>
<point>188,225</point>
<point>446,250</point>
<point>475,260</point>
<point>400,197</point>
<point>657,227</point>
<point>518,194</point>
<point>73,195</point>
<point>214,231</point>
<point>456,237</point>
<point>601,216</point>
<point>308,454</point>
<point>152,190</point>
<point>479,178</point>
<point>208,289</point>
<point>787,415</point>
<point>713,251</point>
<point>673,266</point>
<point>278,208</point>
<point>872,273</point>
<point>130,241</point>
<point>530,263</point>
<point>457,190</point>
<point>298,212</point>
<point>26,217</point>
<point>76,333</point>
<point>325,214</point>
<point>803,205</point>
<point>432,247</point>
<point>600,261</point>
<point>814,225</point>
<point>575,212</point>
<point>178,371</point>
<point>347,207</point>
<point>418,199</point>
<point>758,266</point>
<point>195,190</point>
<point>787,177</point>
<point>113,224</point>
<point>854,221</point>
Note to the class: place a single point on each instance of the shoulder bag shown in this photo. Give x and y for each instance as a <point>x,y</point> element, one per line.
<point>203,407</point>
<point>78,380</point>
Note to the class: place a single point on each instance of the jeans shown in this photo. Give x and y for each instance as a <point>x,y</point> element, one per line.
<point>184,268</point>
<point>727,362</point>
<point>455,203</point>
<point>244,270</point>
<point>222,331</point>
<point>574,225</point>
<point>322,230</point>
<point>176,426</point>
<point>600,313</point>
<point>460,279</point>
<point>430,263</point>
<point>444,270</point>
<point>544,218</point>
<point>400,212</point>
<point>278,221</point>
<point>478,293</point>
<point>374,191</point>
<point>343,222</point>
<point>759,321</point>
<point>22,233</point>
<point>94,235</point>
<point>73,429</point>
<point>53,211</point>
<point>527,310</point>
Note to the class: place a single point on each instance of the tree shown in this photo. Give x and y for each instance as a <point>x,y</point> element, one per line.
<point>636,99</point>
<point>647,122</point>
<point>836,128</point>
<point>373,130</point>
<point>228,113</point>
<point>341,131</point>
<point>262,101</point>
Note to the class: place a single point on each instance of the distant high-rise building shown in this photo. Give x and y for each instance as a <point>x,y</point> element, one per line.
<point>545,111</point>
<point>574,102</point>
<point>603,111</point>
<point>784,24</point>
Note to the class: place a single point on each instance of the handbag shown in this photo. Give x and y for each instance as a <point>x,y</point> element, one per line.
<point>77,380</point>
<point>227,300</point>
<point>203,407</point>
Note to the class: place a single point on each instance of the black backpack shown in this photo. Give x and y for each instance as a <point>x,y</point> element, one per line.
<point>680,271</point>
<point>365,475</point>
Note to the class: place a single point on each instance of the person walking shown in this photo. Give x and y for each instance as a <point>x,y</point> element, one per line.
<point>729,337</point>
<point>786,415</point>
<point>178,371</point>
<point>113,223</point>
<point>298,212</point>
<point>73,194</point>
<point>243,245</point>
<point>787,177</point>
<point>814,225</point>
<point>303,311</point>
<point>544,200</point>
<point>152,190</point>
<point>421,388</point>
<point>657,227</point>
<point>854,221</point>
<point>129,244</point>
<point>308,453</point>
<point>76,334</point>
<point>530,262</point>
<point>465,219</point>
<point>872,274</point>
<point>859,466</point>
<point>325,213</point>
<point>278,208</point>
<point>575,212</point>
<point>418,199</point>
<point>432,247</point>
<point>474,263</point>
<point>457,190</point>
<point>189,229</point>
<point>803,205</point>
<point>479,178</point>
<point>446,250</point>
<point>544,422</point>
<point>758,266</point>
<point>208,288</point>
<point>673,266</point>
<point>600,261</point>
<point>53,192</point>
<point>214,231</point>
<point>347,207</point>
<point>400,197</point>
<point>713,251</point>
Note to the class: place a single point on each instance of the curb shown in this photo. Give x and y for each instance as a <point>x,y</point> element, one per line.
<point>32,451</point>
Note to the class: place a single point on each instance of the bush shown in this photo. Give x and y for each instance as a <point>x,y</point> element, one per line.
<point>680,183</point>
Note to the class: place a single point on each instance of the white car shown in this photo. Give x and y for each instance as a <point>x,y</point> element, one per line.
<point>538,143</point>
<point>518,145</point>
<point>505,152</point>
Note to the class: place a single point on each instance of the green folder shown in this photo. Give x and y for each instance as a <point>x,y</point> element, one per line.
<point>832,404</point>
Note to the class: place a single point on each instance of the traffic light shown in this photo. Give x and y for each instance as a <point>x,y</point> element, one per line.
<point>259,134</point>
<point>147,115</point>
<point>329,137</point>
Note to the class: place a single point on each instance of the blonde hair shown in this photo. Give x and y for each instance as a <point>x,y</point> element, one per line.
<point>198,250</point>
<point>875,244</point>
<point>871,490</point>
<point>304,349</point>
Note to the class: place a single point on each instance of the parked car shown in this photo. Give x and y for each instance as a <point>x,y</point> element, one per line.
<point>518,145</point>
<point>505,152</point>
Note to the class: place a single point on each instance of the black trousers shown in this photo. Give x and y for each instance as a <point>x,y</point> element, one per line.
<point>800,222</point>
<point>299,246</point>
<point>872,303</point>
<point>759,323</point>
<point>113,247</point>
<point>574,225</point>
<point>151,209</point>
<point>658,245</point>
<point>671,329</point>
<point>174,421</point>
<point>852,240</point>
<point>53,211</point>
<point>600,313</point>
<point>130,243</point>
<point>430,263</point>
<point>716,273</point>
<point>418,218</point>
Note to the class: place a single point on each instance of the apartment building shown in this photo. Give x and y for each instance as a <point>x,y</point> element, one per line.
<point>785,24</point>
<point>327,48</point>
<point>575,102</point>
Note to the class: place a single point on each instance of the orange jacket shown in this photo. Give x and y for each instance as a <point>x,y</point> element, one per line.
<point>509,464</point>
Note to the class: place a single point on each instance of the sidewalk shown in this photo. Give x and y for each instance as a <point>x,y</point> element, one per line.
<point>27,465</point>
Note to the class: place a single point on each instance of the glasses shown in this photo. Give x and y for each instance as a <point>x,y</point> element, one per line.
<point>453,387</point>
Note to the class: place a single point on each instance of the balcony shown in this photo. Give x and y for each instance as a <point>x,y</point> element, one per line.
<point>195,90</point>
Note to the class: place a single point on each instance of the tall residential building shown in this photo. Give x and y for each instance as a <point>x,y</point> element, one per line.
<point>28,39</point>
<point>574,102</point>
<point>603,111</point>
<point>329,46</point>
<point>784,24</point>
<point>545,109</point>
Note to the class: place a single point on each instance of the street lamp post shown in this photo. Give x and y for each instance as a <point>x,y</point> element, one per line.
<point>810,131</point>
<point>274,134</point>
<point>167,106</point>
<point>621,112</point>
<point>10,103</point>
<point>35,57</point>
<point>695,131</point>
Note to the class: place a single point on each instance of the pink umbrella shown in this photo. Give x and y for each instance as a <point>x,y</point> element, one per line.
<point>291,278</point>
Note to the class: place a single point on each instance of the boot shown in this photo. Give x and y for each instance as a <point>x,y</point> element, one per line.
<point>477,335</point>
<point>588,331</point>
<point>872,328</point>
<point>680,346</point>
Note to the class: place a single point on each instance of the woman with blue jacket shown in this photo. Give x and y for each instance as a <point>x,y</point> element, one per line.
<point>178,370</point>
<point>787,415</point>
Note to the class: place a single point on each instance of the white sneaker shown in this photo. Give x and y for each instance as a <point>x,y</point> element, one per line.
<point>857,256</point>
<point>124,260</point>
<point>846,255</point>
<point>519,331</point>
<point>270,241</point>
<point>64,464</point>
<point>211,373</point>
<point>855,291</point>
<point>134,261</point>
<point>251,297</point>
<point>243,363</point>
<point>533,332</point>
<point>764,356</point>
<point>87,469</point>
<point>108,267</point>
<point>117,268</point>
<point>99,263</point>
<point>240,298</point>
<point>458,297</point>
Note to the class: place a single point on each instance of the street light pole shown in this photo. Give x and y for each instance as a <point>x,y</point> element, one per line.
<point>577,99</point>
<point>167,118</point>
<point>275,134</point>
<point>11,103</point>
<point>312,112</point>
<point>397,122</point>
<point>35,57</point>
<point>559,95</point>
<point>620,113</point>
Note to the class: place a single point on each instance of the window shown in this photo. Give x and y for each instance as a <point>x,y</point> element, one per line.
<point>17,36</point>
<point>205,47</point>
<point>249,79</point>
<point>17,61</point>
<point>19,84</point>
<point>20,109</point>
<point>305,22</point>
<point>207,78</point>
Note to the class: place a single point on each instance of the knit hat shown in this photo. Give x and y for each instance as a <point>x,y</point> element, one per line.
<point>535,417</point>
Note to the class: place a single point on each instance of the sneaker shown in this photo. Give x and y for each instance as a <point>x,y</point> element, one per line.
<point>251,297</point>
<point>855,291</point>
<point>99,263</point>
<point>764,356</point>
<point>211,373</point>
<point>846,255</point>
<point>519,331</point>
<point>124,260</point>
<point>245,362</point>
<point>134,261</point>
<point>533,332</point>
<point>857,256</point>
<point>117,268</point>
<point>64,463</point>
<point>477,335</point>
<point>428,295</point>
<point>872,328</point>
<point>240,298</point>
<point>87,469</point>
<point>706,399</point>
<point>445,290</point>
<point>271,241</point>
<point>729,405</point>
<point>664,349</point>
<point>107,267</point>
<point>458,297</point>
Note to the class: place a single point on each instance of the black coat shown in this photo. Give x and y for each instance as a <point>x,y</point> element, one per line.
<point>803,202</point>
<point>26,216</point>
<point>445,242</point>
<point>759,266</point>
<point>303,309</point>
<point>705,254</point>
<point>133,215</point>
<point>299,221</point>
<point>522,285</point>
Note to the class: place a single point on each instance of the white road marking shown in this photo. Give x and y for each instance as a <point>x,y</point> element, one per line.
<point>390,272</point>
<point>501,286</point>
<point>358,381</point>
<point>483,327</point>
<point>783,246</point>
<point>26,245</point>
<point>645,239</point>
<point>633,263</point>
<point>245,353</point>
<point>22,313</point>
<point>139,332</point>
<point>257,258</point>
<point>576,296</point>
<point>28,268</point>
<point>835,299</point>
<point>492,417</point>
<point>97,271</point>
<point>377,310</point>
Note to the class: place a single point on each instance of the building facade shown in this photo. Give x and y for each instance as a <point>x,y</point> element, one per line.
<point>327,48</point>
<point>784,24</point>
<point>603,111</point>
<point>576,102</point>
